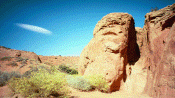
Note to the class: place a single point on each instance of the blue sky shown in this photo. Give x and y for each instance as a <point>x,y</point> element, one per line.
<point>62,27</point>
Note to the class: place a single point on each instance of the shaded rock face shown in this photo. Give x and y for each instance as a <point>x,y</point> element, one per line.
<point>111,49</point>
<point>159,52</point>
<point>4,52</point>
<point>140,37</point>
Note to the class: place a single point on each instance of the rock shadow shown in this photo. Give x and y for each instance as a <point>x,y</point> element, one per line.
<point>116,84</point>
<point>132,59</point>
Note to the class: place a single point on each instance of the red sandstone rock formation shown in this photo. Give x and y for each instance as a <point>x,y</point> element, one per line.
<point>154,72</point>
<point>111,49</point>
<point>4,52</point>
<point>160,52</point>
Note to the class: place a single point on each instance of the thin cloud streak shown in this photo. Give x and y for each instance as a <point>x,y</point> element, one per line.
<point>34,28</point>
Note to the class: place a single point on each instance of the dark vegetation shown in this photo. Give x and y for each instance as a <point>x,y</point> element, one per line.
<point>67,70</point>
<point>6,58</point>
<point>154,9</point>
<point>12,64</point>
<point>22,60</point>
<point>5,76</point>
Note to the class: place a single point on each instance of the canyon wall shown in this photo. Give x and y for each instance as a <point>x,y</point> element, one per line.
<point>136,60</point>
<point>159,52</point>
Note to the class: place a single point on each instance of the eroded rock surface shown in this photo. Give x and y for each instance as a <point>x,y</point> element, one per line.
<point>6,52</point>
<point>160,56</point>
<point>111,49</point>
<point>113,52</point>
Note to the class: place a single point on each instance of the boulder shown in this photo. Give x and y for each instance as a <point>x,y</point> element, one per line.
<point>112,47</point>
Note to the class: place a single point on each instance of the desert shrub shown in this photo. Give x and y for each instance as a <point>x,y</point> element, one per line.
<point>40,84</point>
<point>21,66</point>
<point>19,59</point>
<point>29,72</point>
<point>79,82</point>
<point>6,58</point>
<point>54,68</point>
<point>5,76</point>
<point>1,72</point>
<point>64,69</point>
<point>32,59</point>
<point>31,62</point>
<point>98,82</point>
<point>68,70</point>
<point>22,60</point>
<point>12,64</point>
<point>47,63</point>
<point>15,74</point>
<point>154,9</point>
<point>42,66</point>
<point>73,71</point>
<point>35,69</point>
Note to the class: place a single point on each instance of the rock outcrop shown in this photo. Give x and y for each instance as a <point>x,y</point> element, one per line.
<point>4,52</point>
<point>140,37</point>
<point>159,52</point>
<point>147,66</point>
<point>112,47</point>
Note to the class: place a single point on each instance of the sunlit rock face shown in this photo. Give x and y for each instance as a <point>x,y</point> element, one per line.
<point>4,52</point>
<point>112,47</point>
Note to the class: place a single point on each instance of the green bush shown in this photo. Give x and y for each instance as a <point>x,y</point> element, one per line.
<point>40,84</point>
<point>98,82</point>
<point>6,58</point>
<point>5,76</point>
<point>79,82</point>
<point>68,70</point>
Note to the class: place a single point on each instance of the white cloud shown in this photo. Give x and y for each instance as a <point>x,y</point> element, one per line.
<point>34,28</point>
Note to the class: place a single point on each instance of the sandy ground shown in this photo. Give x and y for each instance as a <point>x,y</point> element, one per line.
<point>6,92</point>
<point>97,94</point>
